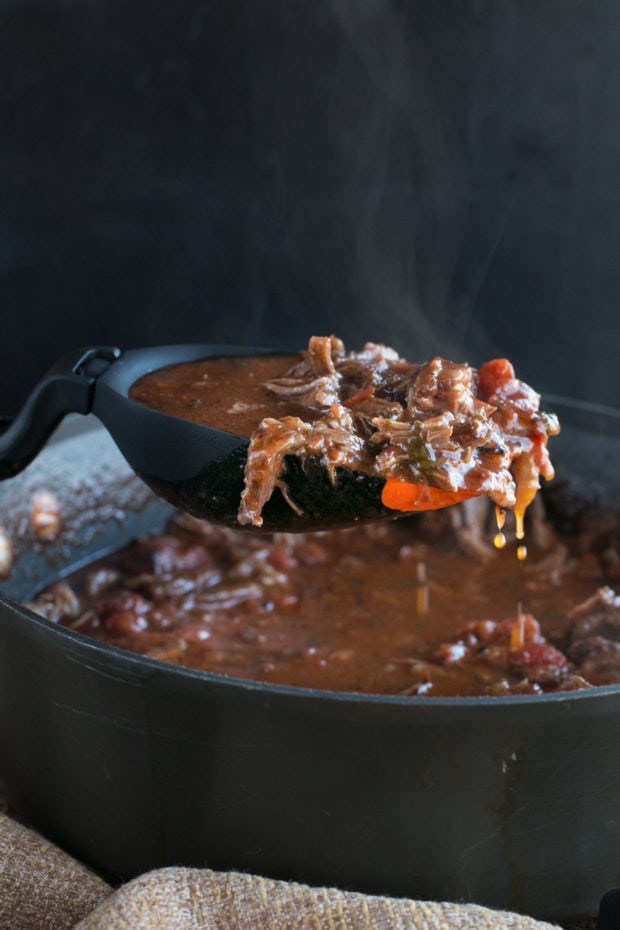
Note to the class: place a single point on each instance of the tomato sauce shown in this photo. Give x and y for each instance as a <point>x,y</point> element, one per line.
<point>384,609</point>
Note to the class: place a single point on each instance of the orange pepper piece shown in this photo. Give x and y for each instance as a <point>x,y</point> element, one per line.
<point>405,495</point>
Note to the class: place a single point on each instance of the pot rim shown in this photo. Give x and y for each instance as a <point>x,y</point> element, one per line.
<point>127,659</point>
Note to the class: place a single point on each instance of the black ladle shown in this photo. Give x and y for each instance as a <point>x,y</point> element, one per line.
<point>197,468</point>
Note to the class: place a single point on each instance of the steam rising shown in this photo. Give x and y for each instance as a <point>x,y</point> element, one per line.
<point>367,241</point>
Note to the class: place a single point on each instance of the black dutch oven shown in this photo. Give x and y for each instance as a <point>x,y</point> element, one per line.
<point>130,763</point>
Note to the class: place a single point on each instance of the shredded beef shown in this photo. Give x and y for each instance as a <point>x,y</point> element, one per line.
<point>514,657</point>
<point>440,423</point>
<point>506,657</point>
<point>594,637</point>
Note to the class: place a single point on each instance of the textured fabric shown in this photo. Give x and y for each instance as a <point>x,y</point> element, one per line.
<point>41,888</point>
<point>198,899</point>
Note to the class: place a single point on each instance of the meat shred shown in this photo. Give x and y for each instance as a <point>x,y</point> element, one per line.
<point>440,423</point>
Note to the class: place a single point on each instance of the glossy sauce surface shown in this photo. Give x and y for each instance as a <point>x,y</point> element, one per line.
<point>227,392</point>
<point>356,610</point>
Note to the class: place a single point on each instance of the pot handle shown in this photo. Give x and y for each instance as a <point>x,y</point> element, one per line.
<point>68,387</point>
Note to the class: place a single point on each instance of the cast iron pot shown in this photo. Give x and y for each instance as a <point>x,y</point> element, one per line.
<point>130,764</point>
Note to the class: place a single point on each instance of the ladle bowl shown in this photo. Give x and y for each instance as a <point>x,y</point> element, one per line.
<point>197,468</point>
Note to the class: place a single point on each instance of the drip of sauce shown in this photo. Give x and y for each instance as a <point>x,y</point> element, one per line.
<point>499,540</point>
<point>520,534</point>
<point>422,589</point>
<point>517,634</point>
<point>519,529</point>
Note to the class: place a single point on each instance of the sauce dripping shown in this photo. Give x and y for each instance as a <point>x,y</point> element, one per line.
<point>517,633</point>
<point>422,590</point>
<point>499,540</point>
<point>520,534</point>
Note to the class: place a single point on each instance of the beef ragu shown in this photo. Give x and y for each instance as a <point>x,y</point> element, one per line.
<point>424,605</point>
<point>438,432</point>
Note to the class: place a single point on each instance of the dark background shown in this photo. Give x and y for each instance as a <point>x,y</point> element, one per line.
<point>441,175</point>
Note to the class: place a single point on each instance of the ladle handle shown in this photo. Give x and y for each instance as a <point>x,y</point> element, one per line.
<point>67,388</point>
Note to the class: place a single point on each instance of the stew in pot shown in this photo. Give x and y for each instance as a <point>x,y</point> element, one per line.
<point>422,605</point>
<point>425,605</point>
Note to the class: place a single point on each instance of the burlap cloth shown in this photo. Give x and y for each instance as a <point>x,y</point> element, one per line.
<point>42,888</point>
